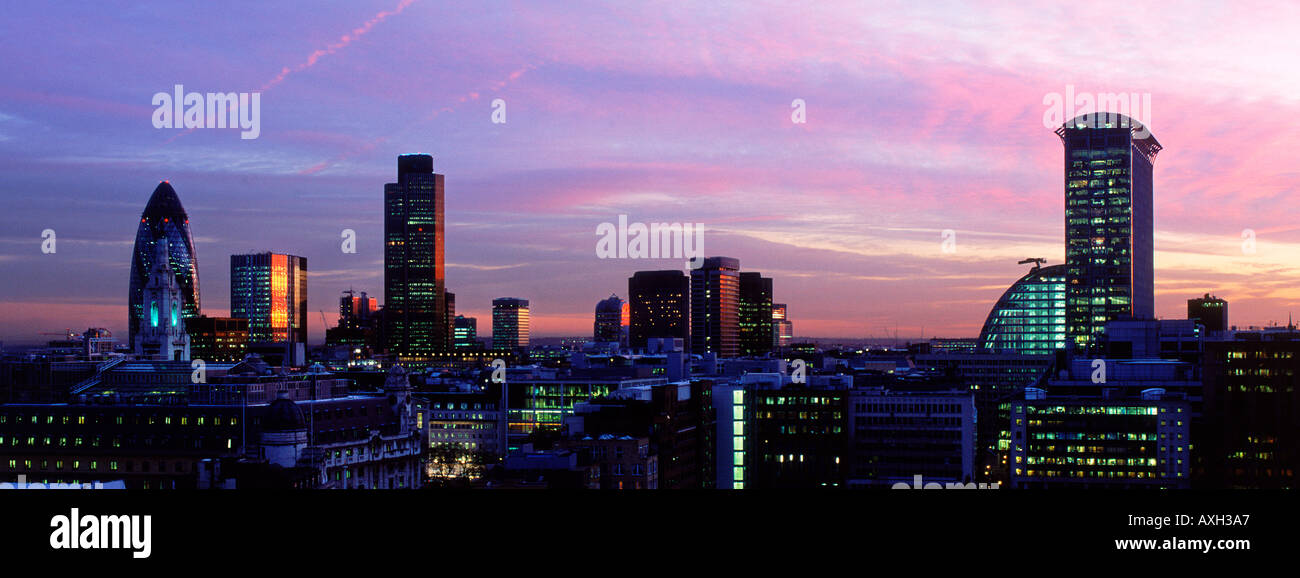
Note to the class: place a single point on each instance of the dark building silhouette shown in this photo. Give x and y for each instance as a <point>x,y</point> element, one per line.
<point>1109,246</point>
<point>145,423</point>
<point>466,333</point>
<point>754,316</point>
<point>1209,311</point>
<point>163,219</point>
<point>1252,410</point>
<point>660,304</point>
<point>219,339</point>
<point>895,435</point>
<point>715,307</point>
<point>775,434</point>
<point>449,299</point>
<point>356,312</point>
<point>609,320</point>
<point>415,309</point>
<point>677,418</point>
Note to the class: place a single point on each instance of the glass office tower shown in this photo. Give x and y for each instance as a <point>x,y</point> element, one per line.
<point>415,312</point>
<point>163,219</point>
<point>1109,243</point>
<point>754,317</point>
<point>510,323</point>
<point>270,291</point>
<point>715,307</point>
<point>608,326</point>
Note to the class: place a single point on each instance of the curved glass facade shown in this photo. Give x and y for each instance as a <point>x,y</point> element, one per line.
<point>1030,316</point>
<point>163,219</point>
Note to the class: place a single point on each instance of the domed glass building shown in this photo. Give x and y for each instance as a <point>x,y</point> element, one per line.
<point>1030,316</point>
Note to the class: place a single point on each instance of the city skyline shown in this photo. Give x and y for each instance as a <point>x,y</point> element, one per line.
<point>845,211</point>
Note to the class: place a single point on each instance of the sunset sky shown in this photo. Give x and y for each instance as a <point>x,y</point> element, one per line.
<point>921,117</point>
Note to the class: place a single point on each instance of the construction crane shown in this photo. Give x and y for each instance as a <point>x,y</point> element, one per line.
<point>1037,261</point>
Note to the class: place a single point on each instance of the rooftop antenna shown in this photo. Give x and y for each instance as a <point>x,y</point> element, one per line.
<point>1037,261</point>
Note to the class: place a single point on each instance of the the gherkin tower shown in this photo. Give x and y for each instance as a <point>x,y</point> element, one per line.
<point>163,220</point>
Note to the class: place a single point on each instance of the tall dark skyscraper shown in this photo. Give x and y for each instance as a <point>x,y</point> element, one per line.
<point>1210,311</point>
<point>270,291</point>
<point>163,219</point>
<point>660,306</point>
<point>510,323</point>
<point>715,307</point>
<point>754,317</point>
<point>1109,246</point>
<point>415,308</point>
<point>608,326</point>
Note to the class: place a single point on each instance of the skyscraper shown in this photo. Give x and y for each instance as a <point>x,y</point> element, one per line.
<point>163,219</point>
<point>466,333</point>
<point>715,307</point>
<point>1109,242</point>
<point>660,305</point>
<point>782,327</point>
<point>509,323</point>
<point>270,291</point>
<point>415,311</point>
<point>755,314</point>
<point>609,320</point>
<point>1030,316</point>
